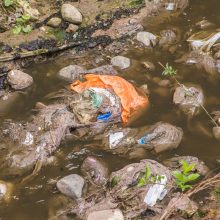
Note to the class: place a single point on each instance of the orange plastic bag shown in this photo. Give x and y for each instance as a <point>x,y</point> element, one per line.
<point>131,101</point>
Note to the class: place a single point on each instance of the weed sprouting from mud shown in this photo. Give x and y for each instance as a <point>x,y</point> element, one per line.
<point>171,72</point>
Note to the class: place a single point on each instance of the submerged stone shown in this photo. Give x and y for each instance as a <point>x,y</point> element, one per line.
<point>71,72</point>
<point>147,38</point>
<point>19,80</point>
<point>121,62</point>
<point>71,186</point>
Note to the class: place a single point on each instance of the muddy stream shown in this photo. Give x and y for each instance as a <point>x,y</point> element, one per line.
<point>33,200</point>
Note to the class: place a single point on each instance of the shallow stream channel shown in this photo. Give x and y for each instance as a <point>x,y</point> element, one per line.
<point>39,198</point>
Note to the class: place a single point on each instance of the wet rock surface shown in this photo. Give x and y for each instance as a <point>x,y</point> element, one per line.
<point>189,99</point>
<point>70,73</point>
<point>71,186</point>
<point>95,170</point>
<point>147,38</point>
<point>157,138</point>
<point>19,80</point>
<point>121,62</point>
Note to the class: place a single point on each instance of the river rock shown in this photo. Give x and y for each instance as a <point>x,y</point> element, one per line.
<point>216,132</point>
<point>72,28</point>
<point>121,62</point>
<point>95,170</point>
<point>71,14</point>
<point>189,99</point>
<point>71,186</point>
<point>54,22</point>
<point>174,163</point>
<point>70,73</point>
<point>103,70</point>
<point>186,207</point>
<point>19,80</point>
<point>111,214</point>
<point>147,38</point>
<point>168,37</point>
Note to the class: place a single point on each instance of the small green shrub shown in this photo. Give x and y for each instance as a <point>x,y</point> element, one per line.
<point>22,25</point>
<point>185,176</point>
<point>8,3</point>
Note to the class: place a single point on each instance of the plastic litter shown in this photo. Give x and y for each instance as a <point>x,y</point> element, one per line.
<point>170,6</point>
<point>157,191</point>
<point>96,99</point>
<point>29,139</point>
<point>114,139</point>
<point>104,117</point>
<point>149,137</point>
<point>130,99</point>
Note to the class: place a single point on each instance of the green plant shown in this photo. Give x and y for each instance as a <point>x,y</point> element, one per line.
<point>22,25</point>
<point>147,178</point>
<point>136,2</point>
<point>8,3</point>
<point>217,193</point>
<point>114,181</point>
<point>185,176</point>
<point>171,72</point>
<point>144,177</point>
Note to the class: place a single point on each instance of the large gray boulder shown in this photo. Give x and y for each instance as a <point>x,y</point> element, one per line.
<point>19,80</point>
<point>71,14</point>
<point>71,186</point>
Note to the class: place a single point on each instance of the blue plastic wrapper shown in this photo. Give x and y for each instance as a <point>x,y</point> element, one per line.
<point>104,117</point>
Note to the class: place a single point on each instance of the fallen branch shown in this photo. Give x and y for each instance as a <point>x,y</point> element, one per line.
<point>22,55</point>
<point>205,184</point>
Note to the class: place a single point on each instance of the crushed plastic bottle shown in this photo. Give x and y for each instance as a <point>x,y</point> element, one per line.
<point>104,117</point>
<point>115,138</point>
<point>157,191</point>
<point>147,138</point>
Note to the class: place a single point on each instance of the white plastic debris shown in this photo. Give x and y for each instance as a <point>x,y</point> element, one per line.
<point>170,6</point>
<point>157,191</point>
<point>29,139</point>
<point>114,139</point>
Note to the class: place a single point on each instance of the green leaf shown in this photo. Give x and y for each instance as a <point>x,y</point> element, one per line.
<point>114,181</point>
<point>193,176</point>
<point>27,29</point>
<point>26,17</point>
<point>141,182</point>
<point>8,3</point>
<point>178,175</point>
<point>17,29</point>
<point>20,20</point>
<point>187,167</point>
<point>147,173</point>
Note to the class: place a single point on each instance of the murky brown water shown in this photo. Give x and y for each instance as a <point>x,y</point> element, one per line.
<point>31,201</point>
